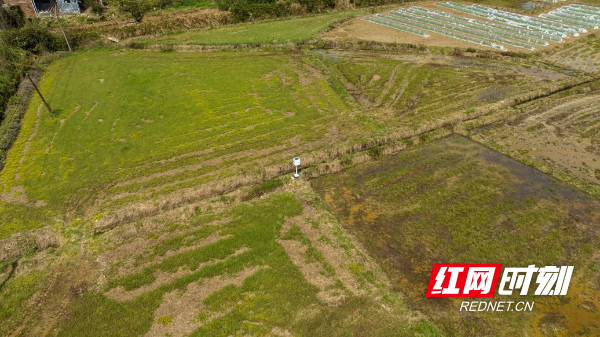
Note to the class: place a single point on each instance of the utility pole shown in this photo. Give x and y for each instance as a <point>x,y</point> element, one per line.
<point>39,93</point>
<point>60,24</point>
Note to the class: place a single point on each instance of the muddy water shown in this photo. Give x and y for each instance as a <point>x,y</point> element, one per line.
<point>576,314</point>
<point>455,201</point>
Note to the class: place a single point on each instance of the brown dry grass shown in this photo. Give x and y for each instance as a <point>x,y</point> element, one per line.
<point>125,252</point>
<point>160,24</point>
<point>313,272</point>
<point>24,243</point>
<point>185,307</point>
<point>162,278</point>
<point>552,132</point>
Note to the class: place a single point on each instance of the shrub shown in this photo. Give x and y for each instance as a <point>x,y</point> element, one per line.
<point>162,4</point>
<point>165,320</point>
<point>33,38</point>
<point>244,10</point>
<point>317,5</point>
<point>12,64</point>
<point>80,38</point>
<point>94,5</point>
<point>425,328</point>
<point>136,45</point>
<point>136,8</point>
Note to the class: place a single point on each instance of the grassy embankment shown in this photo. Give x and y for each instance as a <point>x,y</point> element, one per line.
<point>263,32</point>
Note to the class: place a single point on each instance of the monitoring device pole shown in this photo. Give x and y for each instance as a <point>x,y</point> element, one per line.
<point>61,27</point>
<point>296,163</point>
<point>39,93</point>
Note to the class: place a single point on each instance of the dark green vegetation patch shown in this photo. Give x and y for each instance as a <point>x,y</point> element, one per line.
<point>455,201</point>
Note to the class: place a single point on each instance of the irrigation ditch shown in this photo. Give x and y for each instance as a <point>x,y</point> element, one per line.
<point>14,112</point>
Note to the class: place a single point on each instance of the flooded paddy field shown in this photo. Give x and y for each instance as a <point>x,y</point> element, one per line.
<point>456,201</point>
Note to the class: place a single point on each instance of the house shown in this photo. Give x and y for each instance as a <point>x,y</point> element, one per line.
<point>42,8</point>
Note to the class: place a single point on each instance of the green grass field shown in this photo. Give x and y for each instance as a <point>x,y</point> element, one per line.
<point>165,177</point>
<point>264,32</point>
<point>150,124</point>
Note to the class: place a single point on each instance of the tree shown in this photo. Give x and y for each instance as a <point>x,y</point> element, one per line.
<point>137,8</point>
